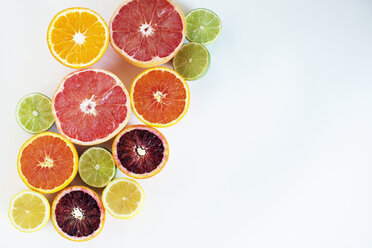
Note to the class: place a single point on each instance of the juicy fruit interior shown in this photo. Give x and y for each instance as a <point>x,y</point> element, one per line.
<point>147,29</point>
<point>96,167</point>
<point>191,61</point>
<point>90,106</point>
<point>202,26</point>
<point>29,211</point>
<point>140,151</point>
<point>78,37</point>
<point>123,198</point>
<point>47,162</point>
<point>159,97</point>
<point>78,214</point>
<point>34,113</point>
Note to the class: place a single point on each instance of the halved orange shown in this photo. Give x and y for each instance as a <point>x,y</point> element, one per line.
<point>47,162</point>
<point>78,37</point>
<point>159,97</point>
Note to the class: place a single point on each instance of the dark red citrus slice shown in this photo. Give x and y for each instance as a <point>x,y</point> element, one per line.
<point>47,162</point>
<point>90,106</point>
<point>78,213</point>
<point>147,32</point>
<point>140,151</point>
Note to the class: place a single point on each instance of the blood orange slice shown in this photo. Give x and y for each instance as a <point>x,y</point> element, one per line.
<point>78,213</point>
<point>90,106</point>
<point>47,162</point>
<point>159,97</point>
<point>140,151</point>
<point>147,32</point>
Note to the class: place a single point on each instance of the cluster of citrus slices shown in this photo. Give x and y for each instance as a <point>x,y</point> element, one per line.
<point>91,106</point>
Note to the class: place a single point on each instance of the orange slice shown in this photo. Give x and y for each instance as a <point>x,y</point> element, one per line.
<point>47,162</point>
<point>159,97</point>
<point>78,37</point>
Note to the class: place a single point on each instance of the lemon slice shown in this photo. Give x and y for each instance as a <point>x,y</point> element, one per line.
<point>29,211</point>
<point>123,198</point>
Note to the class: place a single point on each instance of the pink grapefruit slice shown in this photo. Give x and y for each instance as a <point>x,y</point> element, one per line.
<point>90,106</point>
<point>147,32</point>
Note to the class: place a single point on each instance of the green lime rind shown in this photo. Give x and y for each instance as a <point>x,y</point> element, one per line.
<point>34,113</point>
<point>192,61</point>
<point>97,167</point>
<point>203,26</point>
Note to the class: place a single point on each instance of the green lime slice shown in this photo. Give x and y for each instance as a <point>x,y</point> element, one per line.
<point>34,113</point>
<point>192,61</point>
<point>203,26</point>
<point>97,167</point>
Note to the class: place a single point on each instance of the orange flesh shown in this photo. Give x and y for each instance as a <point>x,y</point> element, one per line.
<point>67,26</point>
<point>159,97</point>
<point>47,162</point>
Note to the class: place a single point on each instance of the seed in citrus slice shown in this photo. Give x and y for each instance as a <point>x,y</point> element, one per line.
<point>159,97</point>
<point>78,37</point>
<point>97,167</point>
<point>192,61</point>
<point>140,151</point>
<point>29,211</point>
<point>34,114</point>
<point>90,106</point>
<point>47,162</point>
<point>203,26</point>
<point>123,198</point>
<point>147,32</point>
<point>78,213</point>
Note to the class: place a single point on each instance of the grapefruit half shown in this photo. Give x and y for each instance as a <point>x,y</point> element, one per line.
<point>90,106</point>
<point>147,32</point>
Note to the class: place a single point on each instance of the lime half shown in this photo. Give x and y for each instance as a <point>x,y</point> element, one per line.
<point>34,113</point>
<point>192,61</point>
<point>203,26</point>
<point>97,167</point>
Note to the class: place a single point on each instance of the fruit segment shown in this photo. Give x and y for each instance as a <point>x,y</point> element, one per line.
<point>123,198</point>
<point>140,151</point>
<point>90,106</point>
<point>29,211</point>
<point>47,162</point>
<point>34,114</point>
<point>78,213</point>
<point>159,97</point>
<point>78,37</point>
<point>147,32</point>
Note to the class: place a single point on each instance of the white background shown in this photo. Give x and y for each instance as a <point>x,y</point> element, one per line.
<point>275,150</point>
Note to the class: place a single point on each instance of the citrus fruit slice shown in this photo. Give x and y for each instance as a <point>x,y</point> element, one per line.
<point>123,198</point>
<point>34,114</point>
<point>192,61</point>
<point>140,151</point>
<point>47,162</point>
<point>78,213</point>
<point>97,167</point>
<point>159,97</point>
<point>147,32</point>
<point>78,37</point>
<point>203,26</point>
<point>29,211</point>
<point>90,106</point>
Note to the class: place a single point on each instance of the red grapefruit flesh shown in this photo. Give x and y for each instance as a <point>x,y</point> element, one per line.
<point>90,106</point>
<point>140,151</point>
<point>147,32</point>
<point>78,213</point>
